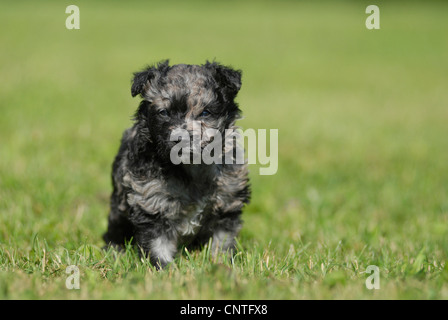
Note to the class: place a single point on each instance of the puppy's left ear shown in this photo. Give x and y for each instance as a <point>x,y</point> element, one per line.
<point>227,78</point>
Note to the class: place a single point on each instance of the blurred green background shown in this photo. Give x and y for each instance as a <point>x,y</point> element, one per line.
<point>363,150</point>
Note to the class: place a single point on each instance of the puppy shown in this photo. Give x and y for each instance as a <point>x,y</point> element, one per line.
<point>163,204</point>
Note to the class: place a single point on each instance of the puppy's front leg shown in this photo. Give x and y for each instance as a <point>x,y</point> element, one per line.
<point>223,241</point>
<point>160,246</point>
<point>162,251</point>
<point>225,232</point>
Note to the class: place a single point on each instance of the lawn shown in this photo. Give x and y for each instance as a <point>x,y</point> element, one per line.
<point>362,117</point>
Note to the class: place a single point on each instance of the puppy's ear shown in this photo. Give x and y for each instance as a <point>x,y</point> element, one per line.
<point>142,78</point>
<point>228,79</point>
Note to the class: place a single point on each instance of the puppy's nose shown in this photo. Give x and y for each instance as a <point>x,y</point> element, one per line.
<point>176,139</point>
<point>193,126</point>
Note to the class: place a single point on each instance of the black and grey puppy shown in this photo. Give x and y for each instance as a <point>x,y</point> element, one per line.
<point>162,205</point>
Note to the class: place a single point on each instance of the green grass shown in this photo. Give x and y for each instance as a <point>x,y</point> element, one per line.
<point>363,149</point>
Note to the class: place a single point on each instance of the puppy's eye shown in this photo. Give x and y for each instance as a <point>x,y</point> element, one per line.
<point>163,112</point>
<point>205,113</point>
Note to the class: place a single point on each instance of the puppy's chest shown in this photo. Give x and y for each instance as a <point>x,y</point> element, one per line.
<point>183,207</point>
<point>193,206</point>
<point>190,221</point>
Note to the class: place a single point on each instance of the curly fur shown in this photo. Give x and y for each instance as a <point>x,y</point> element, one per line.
<point>162,206</point>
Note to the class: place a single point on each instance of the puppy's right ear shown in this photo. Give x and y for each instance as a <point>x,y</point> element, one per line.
<point>142,79</point>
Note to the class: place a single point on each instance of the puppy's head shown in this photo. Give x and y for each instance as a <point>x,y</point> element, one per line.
<point>192,98</point>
